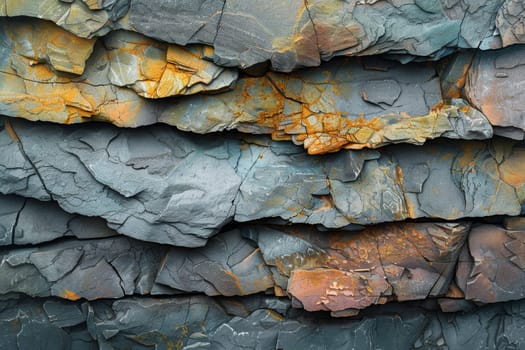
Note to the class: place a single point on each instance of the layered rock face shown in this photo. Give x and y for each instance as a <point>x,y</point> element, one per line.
<point>262,175</point>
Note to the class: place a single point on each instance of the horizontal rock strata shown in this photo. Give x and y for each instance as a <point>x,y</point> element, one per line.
<point>205,323</point>
<point>213,174</point>
<point>352,103</point>
<point>164,186</point>
<point>295,33</point>
<point>337,271</point>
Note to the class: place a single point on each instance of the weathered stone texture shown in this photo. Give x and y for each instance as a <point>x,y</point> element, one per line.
<point>347,104</point>
<point>262,174</point>
<point>291,34</point>
<point>495,86</point>
<point>202,323</point>
<point>164,186</point>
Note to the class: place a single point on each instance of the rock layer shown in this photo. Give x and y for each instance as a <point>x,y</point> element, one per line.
<point>295,33</point>
<point>337,271</point>
<point>164,186</point>
<point>200,322</point>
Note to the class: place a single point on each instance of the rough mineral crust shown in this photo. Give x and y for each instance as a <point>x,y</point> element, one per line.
<point>347,103</point>
<point>36,61</point>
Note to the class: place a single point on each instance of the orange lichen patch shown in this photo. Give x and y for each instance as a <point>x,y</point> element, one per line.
<point>468,155</point>
<point>235,280</point>
<point>68,294</point>
<point>409,205</point>
<point>329,131</point>
<point>454,292</point>
<point>328,203</point>
<point>120,113</point>
<point>512,170</point>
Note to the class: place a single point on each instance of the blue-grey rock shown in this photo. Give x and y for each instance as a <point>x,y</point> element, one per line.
<point>91,269</point>
<point>160,185</point>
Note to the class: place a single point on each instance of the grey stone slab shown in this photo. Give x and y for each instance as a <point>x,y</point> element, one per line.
<point>10,207</point>
<point>228,265</point>
<point>495,271</point>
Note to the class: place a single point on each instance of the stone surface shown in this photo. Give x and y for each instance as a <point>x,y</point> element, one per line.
<point>202,323</point>
<point>336,271</point>
<point>295,33</point>
<point>36,84</point>
<point>510,22</point>
<point>494,273</point>
<point>28,221</point>
<point>160,185</point>
<point>92,269</point>
<point>288,196</point>
<point>228,265</point>
<point>156,70</point>
<point>346,104</point>
<point>495,86</point>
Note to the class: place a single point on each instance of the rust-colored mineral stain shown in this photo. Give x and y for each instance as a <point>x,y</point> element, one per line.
<point>10,130</point>
<point>68,294</point>
<point>512,170</point>
<point>235,280</point>
<point>455,89</point>
<point>336,290</point>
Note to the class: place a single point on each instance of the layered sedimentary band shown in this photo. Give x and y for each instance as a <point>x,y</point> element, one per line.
<point>213,174</point>
<point>199,322</point>
<point>164,186</point>
<point>347,103</point>
<point>456,262</point>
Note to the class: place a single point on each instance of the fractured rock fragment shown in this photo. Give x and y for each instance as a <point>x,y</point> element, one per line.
<point>156,70</point>
<point>491,266</point>
<point>28,221</point>
<point>228,265</point>
<point>335,271</point>
<point>37,57</point>
<point>495,87</point>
